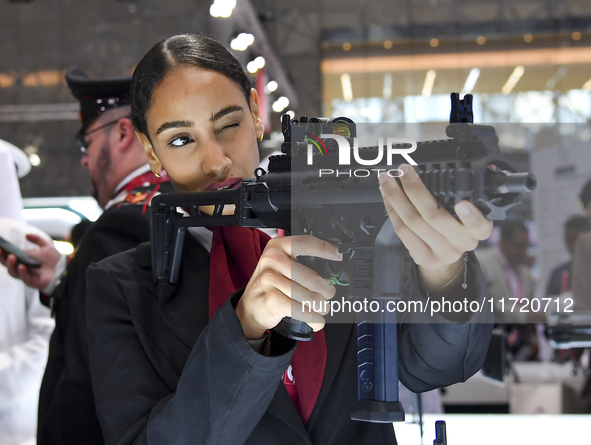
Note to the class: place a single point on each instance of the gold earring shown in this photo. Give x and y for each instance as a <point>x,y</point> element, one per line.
<point>261,137</point>
<point>157,175</point>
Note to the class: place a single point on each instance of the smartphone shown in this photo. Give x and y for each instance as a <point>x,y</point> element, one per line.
<point>21,256</point>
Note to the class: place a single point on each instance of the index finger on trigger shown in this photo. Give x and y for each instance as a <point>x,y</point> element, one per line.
<point>310,279</point>
<point>311,246</point>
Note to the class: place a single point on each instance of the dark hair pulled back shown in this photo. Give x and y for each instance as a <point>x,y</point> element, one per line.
<point>187,49</point>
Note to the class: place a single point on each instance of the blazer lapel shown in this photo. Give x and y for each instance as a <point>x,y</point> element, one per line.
<point>184,307</point>
<point>282,407</point>
<point>337,337</point>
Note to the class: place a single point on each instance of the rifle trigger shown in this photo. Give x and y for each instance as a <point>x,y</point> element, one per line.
<point>366,228</point>
<point>334,280</point>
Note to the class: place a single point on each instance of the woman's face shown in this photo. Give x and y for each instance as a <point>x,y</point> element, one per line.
<point>204,134</point>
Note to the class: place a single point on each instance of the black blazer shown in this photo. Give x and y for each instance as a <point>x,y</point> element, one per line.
<point>163,374</point>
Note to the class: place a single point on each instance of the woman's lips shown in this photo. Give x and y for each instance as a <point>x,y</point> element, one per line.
<point>227,184</point>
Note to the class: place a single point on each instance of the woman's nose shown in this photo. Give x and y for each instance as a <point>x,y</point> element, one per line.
<point>215,161</point>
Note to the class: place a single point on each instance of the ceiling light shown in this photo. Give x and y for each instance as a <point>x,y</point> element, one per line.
<point>280,104</point>
<point>556,77</point>
<point>242,41</point>
<point>346,87</point>
<point>387,91</point>
<point>272,86</point>
<point>222,8</point>
<point>215,10</point>
<point>513,79</point>
<point>429,82</point>
<point>458,60</point>
<point>251,67</point>
<point>260,61</point>
<point>254,65</point>
<point>34,159</point>
<point>471,81</point>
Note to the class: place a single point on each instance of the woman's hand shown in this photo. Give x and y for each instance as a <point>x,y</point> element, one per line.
<point>279,279</point>
<point>36,278</point>
<point>435,240</point>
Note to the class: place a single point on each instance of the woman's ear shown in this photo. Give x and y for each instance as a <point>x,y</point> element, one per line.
<point>256,113</point>
<point>155,164</point>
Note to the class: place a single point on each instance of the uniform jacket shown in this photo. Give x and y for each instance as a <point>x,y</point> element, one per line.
<point>164,374</point>
<point>66,405</point>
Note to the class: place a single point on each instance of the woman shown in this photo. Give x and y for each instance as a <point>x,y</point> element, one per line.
<point>192,363</point>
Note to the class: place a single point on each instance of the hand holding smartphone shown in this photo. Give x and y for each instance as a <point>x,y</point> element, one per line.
<point>21,256</point>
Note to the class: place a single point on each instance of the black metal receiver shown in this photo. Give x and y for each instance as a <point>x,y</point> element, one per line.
<point>348,209</point>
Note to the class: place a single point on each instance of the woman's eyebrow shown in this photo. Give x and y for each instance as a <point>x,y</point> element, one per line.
<point>227,110</point>
<point>174,124</point>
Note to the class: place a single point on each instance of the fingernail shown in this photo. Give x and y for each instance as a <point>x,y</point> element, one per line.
<point>382,178</point>
<point>463,209</point>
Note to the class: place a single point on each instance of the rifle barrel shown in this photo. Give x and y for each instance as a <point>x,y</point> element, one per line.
<point>506,182</point>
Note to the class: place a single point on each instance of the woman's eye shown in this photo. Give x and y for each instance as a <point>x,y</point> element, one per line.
<point>227,127</point>
<point>181,141</point>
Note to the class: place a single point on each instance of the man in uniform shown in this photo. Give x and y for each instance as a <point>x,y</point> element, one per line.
<point>123,185</point>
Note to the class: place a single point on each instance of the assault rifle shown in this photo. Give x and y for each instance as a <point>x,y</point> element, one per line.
<point>348,210</point>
